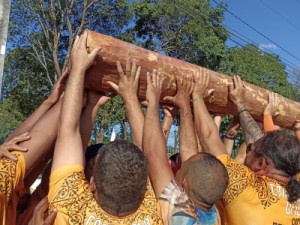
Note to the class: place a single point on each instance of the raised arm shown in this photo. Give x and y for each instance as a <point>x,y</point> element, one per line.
<point>251,130</point>
<point>218,119</point>
<point>187,136</point>
<point>271,110</point>
<point>154,144</point>
<point>170,112</point>
<point>127,88</point>
<point>53,98</point>
<point>68,148</point>
<point>231,132</point>
<point>206,128</point>
<point>88,115</point>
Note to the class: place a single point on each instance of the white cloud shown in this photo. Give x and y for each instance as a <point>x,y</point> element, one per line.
<point>267,46</point>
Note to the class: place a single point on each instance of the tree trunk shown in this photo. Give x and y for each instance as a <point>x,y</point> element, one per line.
<point>112,50</point>
<point>100,134</point>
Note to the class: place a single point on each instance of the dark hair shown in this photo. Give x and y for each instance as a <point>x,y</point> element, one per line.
<point>176,158</point>
<point>207,179</point>
<point>284,151</point>
<point>91,151</point>
<point>121,178</point>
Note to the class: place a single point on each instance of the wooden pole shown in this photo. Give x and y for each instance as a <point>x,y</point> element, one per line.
<point>112,49</point>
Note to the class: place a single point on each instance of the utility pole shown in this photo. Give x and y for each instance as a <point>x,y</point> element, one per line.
<point>4,20</point>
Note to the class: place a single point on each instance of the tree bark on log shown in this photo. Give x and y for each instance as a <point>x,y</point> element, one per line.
<point>112,50</point>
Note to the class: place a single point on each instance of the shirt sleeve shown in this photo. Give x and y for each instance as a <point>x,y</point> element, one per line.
<point>268,124</point>
<point>12,175</point>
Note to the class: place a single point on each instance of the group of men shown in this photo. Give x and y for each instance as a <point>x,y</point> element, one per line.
<point>133,183</point>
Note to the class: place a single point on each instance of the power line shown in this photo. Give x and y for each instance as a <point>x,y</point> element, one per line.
<point>283,49</point>
<point>283,17</point>
<point>293,67</point>
<point>286,62</point>
<point>238,43</point>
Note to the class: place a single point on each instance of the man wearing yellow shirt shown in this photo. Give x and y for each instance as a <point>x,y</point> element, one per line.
<point>265,190</point>
<point>119,192</point>
<point>19,169</point>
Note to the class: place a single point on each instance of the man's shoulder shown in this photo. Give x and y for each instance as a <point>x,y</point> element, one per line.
<point>175,204</point>
<point>12,174</point>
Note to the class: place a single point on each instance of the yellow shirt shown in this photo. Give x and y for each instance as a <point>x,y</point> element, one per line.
<point>70,194</point>
<point>11,187</point>
<point>256,200</point>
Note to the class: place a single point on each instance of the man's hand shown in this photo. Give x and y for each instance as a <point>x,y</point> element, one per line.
<point>273,104</point>
<point>154,86</point>
<point>58,87</point>
<point>201,84</point>
<point>39,211</point>
<point>233,127</point>
<point>80,58</point>
<point>128,83</point>
<point>237,90</point>
<point>170,110</point>
<point>12,145</point>
<point>184,91</point>
<point>97,98</point>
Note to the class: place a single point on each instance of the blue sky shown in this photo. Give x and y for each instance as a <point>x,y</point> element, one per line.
<point>279,20</point>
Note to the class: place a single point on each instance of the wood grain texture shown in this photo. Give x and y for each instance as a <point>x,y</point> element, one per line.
<point>113,50</point>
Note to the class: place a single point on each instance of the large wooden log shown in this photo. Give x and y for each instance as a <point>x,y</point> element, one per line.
<point>113,49</point>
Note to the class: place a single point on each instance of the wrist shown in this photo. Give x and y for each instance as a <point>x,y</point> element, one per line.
<point>194,96</point>
<point>130,98</point>
<point>230,137</point>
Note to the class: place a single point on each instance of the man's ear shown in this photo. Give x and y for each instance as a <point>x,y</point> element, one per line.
<point>92,184</point>
<point>260,166</point>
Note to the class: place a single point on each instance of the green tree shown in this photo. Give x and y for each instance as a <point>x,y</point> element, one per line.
<point>259,68</point>
<point>41,34</point>
<point>190,30</point>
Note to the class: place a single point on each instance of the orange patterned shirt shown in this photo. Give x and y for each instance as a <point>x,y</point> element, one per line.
<point>253,199</point>
<point>70,194</point>
<point>11,187</point>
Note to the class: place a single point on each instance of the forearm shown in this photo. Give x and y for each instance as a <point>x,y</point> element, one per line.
<point>43,135</point>
<point>154,147</point>
<point>207,130</point>
<point>218,120</point>
<point>187,139</point>
<point>203,121</point>
<point>153,133</point>
<point>136,120</point>
<point>87,120</point>
<point>251,130</point>
<point>241,153</point>
<point>31,120</point>
<point>72,102</point>
<point>228,145</point>
<point>166,126</point>
<point>268,124</point>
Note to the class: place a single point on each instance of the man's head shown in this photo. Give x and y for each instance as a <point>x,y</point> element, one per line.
<point>120,175</point>
<point>277,155</point>
<point>204,178</point>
